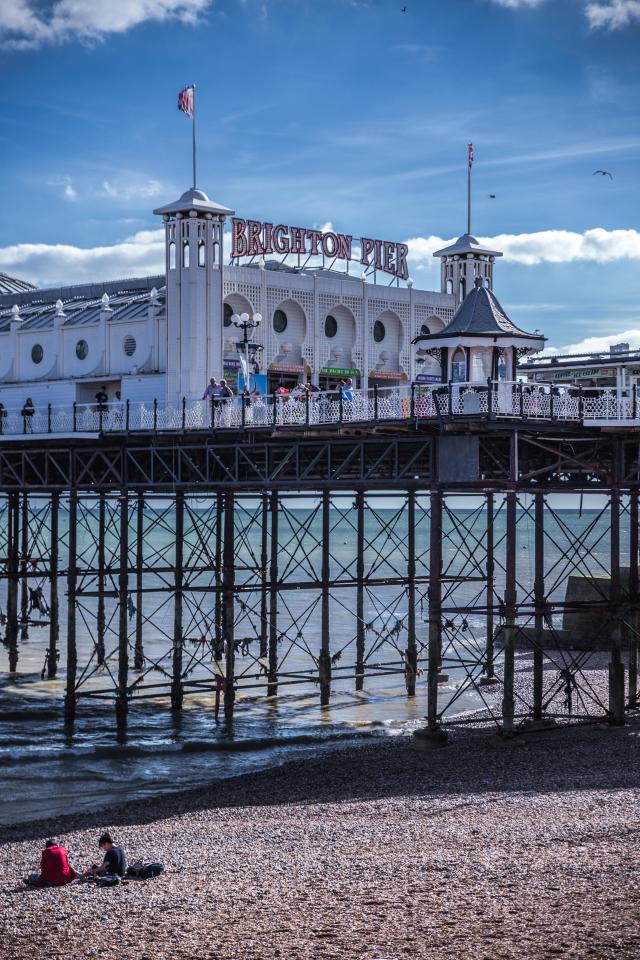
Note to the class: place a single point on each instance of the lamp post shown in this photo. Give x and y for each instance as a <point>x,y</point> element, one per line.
<point>250,350</point>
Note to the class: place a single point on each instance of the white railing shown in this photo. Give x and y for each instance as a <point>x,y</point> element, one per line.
<point>480,401</point>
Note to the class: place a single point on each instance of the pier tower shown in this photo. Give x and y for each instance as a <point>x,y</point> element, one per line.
<point>462,262</point>
<point>194,227</point>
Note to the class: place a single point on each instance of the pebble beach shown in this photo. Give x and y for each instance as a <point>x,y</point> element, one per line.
<point>482,849</point>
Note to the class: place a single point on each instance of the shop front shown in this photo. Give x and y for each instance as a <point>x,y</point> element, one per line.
<point>330,377</point>
<point>286,375</point>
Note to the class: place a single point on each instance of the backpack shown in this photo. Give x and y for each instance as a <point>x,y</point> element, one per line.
<point>142,870</point>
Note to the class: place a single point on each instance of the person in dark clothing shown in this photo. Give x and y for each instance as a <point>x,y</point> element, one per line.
<point>114,862</point>
<point>54,867</point>
<point>102,399</point>
<point>27,414</point>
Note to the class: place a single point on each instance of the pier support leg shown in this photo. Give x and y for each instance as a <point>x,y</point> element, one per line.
<point>633,618</point>
<point>433,735</point>
<point>54,623</point>
<point>264,578</point>
<point>360,632</point>
<point>539,601</point>
<point>219,644</point>
<point>228,583</point>
<point>324,660</point>
<point>101,620</point>
<point>72,579</point>
<point>272,686</point>
<point>435,613</point>
<point>138,653</point>
<point>616,666</point>
<point>122,699</point>
<point>177,692</point>
<point>411,657</point>
<point>12,581</point>
<point>510,596</point>
<point>24,567</point>
<point>489,666</point>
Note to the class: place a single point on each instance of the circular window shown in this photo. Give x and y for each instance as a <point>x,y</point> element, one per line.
<point>37,353</point>
<point>82,349</point>
<point>330,326</point>
<point>379,331</point>
<point>228,313</point>
<point>280,321</point>
<point>424,330</point>
<point>129,345</point>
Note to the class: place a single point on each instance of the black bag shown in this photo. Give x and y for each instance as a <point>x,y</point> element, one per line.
<point>108,880</point>
<point>142,870</point>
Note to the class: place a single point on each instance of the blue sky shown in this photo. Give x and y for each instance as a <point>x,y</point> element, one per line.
<point>335,110</point>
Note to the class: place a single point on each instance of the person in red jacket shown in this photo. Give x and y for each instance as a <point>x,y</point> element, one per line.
<point>54,867</point>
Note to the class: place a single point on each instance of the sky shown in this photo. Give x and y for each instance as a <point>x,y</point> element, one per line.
<point>353,112</point>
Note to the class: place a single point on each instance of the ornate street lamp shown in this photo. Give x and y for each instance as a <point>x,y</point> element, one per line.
<point>247,347</point>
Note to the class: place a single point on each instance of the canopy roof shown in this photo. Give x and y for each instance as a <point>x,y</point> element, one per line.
<point>480,315</point>
<point>464,245</point>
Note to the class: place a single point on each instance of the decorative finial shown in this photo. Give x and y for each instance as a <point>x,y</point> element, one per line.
<point>105,299</point>
<point>15,310</point>
<point>59,308</point>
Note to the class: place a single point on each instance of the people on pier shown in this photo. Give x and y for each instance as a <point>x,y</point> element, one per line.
<point>102,399</point>
<point>55,870</point>
<point>114,862</point>
<point>212,390</point>
<point>27,415</point>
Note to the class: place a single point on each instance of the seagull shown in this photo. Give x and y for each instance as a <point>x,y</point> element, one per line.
<point>492,196</point>
<point>605,173</point>
<point>403,9</point>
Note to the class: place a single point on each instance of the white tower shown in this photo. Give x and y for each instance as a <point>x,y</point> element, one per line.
<point>194,228</point>
<point>462,263</point>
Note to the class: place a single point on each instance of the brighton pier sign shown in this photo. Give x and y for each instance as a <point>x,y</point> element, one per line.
<point>253,238</point>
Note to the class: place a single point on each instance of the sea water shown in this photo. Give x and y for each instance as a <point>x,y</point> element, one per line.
<point>47,769</point>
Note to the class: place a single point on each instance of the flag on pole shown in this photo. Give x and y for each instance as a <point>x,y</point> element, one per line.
<point>185,101</point>
<point>470,155</point>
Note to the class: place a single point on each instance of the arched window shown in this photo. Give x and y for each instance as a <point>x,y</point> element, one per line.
<point>330,326</point>
<point>228,313</point>
<point>449,286</point>
<point>201,253</point>
<point>37,353</point>
<point>172,256</point>
<point>280,321</point>
<point>463,288</point>
<point>379,331</point>
<point>459,366</point>
<point>185,254</point>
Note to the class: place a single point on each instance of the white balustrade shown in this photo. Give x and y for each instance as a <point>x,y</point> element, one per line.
<point>499,400</point>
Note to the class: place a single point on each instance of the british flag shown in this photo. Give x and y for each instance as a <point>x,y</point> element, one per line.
<point>185,101</point>
<point>470,155</point>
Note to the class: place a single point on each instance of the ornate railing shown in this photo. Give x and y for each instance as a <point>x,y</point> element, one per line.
<point>474,401</point>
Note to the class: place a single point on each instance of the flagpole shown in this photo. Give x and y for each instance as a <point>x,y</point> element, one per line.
<point>469,191</point>
<point>193,129</point>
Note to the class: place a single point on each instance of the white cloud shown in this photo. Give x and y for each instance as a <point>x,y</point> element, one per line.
<point>129,191</point>
<point>614,14</point>
<point>51,264</point>
<point>514,4</point>
<point>26,24</point>
<point>599,344</point>
<point>69,192</point>
<point>546,246</point>
<point>143,253</point>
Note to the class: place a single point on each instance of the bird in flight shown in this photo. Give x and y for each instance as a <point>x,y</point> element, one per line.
<point>604,173</point>
<point>492,196</point>
<point>403,9</point>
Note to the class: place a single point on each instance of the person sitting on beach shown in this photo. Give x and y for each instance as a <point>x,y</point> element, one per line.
<point>54,867</point>
<point>114,862</point>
